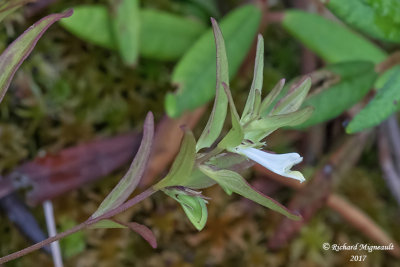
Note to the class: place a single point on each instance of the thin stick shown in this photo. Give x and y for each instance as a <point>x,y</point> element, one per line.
<point>51,229</point>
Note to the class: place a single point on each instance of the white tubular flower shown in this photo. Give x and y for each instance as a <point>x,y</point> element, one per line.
<point>278,163</point>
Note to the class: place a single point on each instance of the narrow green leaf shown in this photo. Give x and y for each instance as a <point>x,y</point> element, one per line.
<point>354,81</point>
<point>125,21</point>
<point>162,36</point>
<point>195,73</point>
<point>235,135</point>
<point>194,207</point>
<point>183,163</point>
<point>91,23</point>
<point>330,40</point>
<point>9,6</point>
<point>257,83</point>
<point>228,160</point>
<point>236,183</point>
<point>377,18</point>
<point>218,114</point>
<point>106,224</point>
<point>271,98</point>
<point>294,98</point>
<point>19,50</point>
<point>259,129</point>
<point>385,102</point>
<point>165,36</point>
<point>128,183</point>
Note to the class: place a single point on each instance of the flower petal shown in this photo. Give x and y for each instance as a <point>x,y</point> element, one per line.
<point>278,163</point>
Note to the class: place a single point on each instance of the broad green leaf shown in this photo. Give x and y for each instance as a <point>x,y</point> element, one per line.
<point>166,36</point>
<point>217,117</point>
<point>235,135</point>
<point>377,18</point>
<point>385,102</point>
<point>13,56</point>
<point>91,23</point>
<point>330,40</point>
<point>195,73</point>
<point>9,6</point>
<point>128,183</point>
<point>354,81</point>
<point>293,99</point>
<point>183,163</point>
<point>237,184</point>
<point>125,21</point>
<point>162,35</point>
<point>257,83</point>
<point>259,129</point>
<point>194,207</point>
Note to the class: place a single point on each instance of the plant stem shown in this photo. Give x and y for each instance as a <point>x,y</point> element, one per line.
<point>90,221</point>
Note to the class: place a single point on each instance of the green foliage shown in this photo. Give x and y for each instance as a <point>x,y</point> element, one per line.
<point>161,35</point>
<point>352,81</point>
<point>216,121</point>
<point>385,102</point>
<point>125,21</point>
<point>377,18</point>
<point>92,24</point>
<point>19,50</point>
<point>330,40</point>
<point>194,206</point>
<point>128,183</point>
<point>237,184</point>
<point>195,75</point>
<point>183,163</point>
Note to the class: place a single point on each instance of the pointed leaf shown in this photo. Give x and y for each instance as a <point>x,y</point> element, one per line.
<point>128,183</point>
<point>194,207</point>
<point>330,40</point>
<point>236,183</point>
<point>294,99</point>
<point>195,73</point>
<point>271,98</point>
<point>19,50</point>
<point>106,224</point>
<point>125,23</point>
<point>385,102</point>
<point>259,129</point>
<point>183,163</point>
<point>354,80</point>
<point>235,135</point>
<point>218,114</point>
<point>257,81</point>
<point>142,230</point>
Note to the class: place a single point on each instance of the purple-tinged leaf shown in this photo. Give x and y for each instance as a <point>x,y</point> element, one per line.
<point>128,183</point>
<point>236,183</point>
<point>142,230</point>
<point>218,114</point>
<point>19,50</point>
